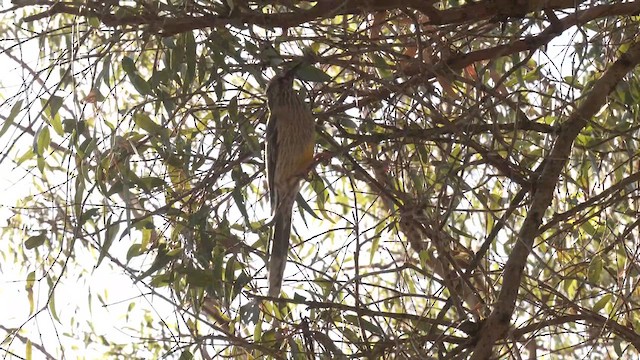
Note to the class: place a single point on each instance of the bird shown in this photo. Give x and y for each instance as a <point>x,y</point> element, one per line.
<point>289,153</point>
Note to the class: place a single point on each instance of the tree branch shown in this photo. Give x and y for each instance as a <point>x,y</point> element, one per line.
<point>498,322</point>
<point>462,61</point>
<point>167,26</point>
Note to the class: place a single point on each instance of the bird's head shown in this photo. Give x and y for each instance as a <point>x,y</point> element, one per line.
<point>280,86</point>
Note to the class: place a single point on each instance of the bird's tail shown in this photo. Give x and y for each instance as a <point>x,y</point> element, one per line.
<point>279,248</point>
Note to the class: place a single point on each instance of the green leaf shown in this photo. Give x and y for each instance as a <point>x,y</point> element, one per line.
<point>41,164</point>
<point>78,195</point>
<point>105,73</point>
<point>364,324</point>
<point>297,351</point>
<point>134,250</point>
<point>35,241</point>
<point>43,139</point>
<point>602,303</point>
<point>161,280</point>
<point>56,123</point>
<point>239,199</point>
<point>53,105</point>
<point>91,213</point>
<point>144,122</point>
<point>588,227</point>
<point>149,183</point>
<point>570,287</point>
<point>425,259</point>
<point>217,269</point>
<point>117,188</point>
<point>321,194</point>
<point>110,235</point>
<point>382,67</point>
<point>28,354</point>
<point>31,279</point>
<point>162,259</point>
<point>239,283</point>
<point>303,204</point>
<point>71,125</point>
<point>190,54</point>
<point>229,279</point>
<point>15,110</point>
<point>128,65</point>
<point>199,278</point>
<point>311,73</point>
<point>232,108</point>
<point>52,307</point>
<point>348,123</point>
<point>327,343</point>
<point>177,54</point>
<point>94,22</point>
<point>186,355</point>
<point>250,313</point>
<point>140,84</point>
<point>595,270</point>
<point>617,346</point>
<point>375,243</point>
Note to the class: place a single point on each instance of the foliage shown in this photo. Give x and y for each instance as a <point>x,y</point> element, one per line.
<point>475,195</point>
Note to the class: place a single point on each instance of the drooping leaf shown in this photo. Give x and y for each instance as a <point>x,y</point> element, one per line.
<point>31,279</point>
<point>15,110</point>
<point>310,73</point>
<point>42,141</point>
<point>35,241</point>
<point>190,57</point>
<point>141,85</point>
<point>110,233</point>
<point>595,270</point>
<point>600,304</point>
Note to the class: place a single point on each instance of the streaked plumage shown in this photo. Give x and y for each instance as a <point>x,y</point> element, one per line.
<point>289,153</point>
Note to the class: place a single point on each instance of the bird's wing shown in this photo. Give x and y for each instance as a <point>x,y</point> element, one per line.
<point>271,158</point>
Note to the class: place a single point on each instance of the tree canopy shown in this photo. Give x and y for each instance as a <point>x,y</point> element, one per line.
<point>474,195</point>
